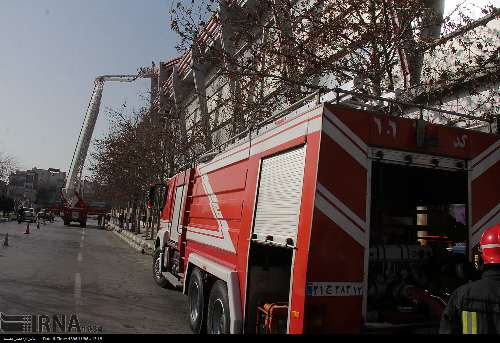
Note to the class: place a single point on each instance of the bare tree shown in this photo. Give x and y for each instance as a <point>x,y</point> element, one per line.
<point>274,52</point>
<point>271,53</point>
<point>7,166</point>
<point>133,155</point>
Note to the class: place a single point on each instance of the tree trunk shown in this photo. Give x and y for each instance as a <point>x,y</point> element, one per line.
<point>135,211</point>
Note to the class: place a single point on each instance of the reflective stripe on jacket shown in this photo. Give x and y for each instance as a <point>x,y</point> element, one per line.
<point>474,308</point>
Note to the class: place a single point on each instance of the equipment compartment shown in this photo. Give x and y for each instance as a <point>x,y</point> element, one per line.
<point>418,240</point>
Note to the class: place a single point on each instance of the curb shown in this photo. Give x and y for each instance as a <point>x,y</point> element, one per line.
<point>139,244</point>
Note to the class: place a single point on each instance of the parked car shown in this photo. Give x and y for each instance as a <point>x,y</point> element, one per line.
<point>46,215</point>
<point>29,215</point>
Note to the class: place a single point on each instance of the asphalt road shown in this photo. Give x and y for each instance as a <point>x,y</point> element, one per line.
<point>89,272</point>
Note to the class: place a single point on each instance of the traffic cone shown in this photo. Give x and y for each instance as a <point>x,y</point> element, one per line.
<point>6,241</point>
<point>27,229</point>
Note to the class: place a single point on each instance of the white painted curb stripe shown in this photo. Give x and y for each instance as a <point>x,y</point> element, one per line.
<point>138,247</point>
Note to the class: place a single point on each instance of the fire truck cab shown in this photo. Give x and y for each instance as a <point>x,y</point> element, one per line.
<point>76,213</point>
<point>329,219</point>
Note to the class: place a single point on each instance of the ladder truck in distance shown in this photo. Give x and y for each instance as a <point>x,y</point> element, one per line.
<point>328,218</point>
<point>74,207</point>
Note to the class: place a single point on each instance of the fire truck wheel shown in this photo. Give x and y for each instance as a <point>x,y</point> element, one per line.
<point>218,310</point>
<point>157,275</point>
<point>197,308</point>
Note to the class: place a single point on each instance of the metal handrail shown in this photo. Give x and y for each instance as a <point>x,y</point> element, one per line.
<point>248,130</point>
<point>408,104</point>
<point>291,108</point>
<point>317,95</point>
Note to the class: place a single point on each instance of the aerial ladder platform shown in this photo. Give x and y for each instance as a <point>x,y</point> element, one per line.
<point>74,207</point>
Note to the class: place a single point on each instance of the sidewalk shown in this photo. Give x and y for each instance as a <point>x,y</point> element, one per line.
<point>137,242</point>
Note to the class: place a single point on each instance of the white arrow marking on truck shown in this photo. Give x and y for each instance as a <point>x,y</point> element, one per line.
<point>221,238</point>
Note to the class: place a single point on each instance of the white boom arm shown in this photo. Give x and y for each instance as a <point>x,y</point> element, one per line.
<point>85,138</point>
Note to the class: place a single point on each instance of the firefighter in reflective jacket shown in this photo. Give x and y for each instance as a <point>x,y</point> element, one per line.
<point>474,308</point>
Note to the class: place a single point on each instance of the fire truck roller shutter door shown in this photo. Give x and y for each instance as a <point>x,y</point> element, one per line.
<point>279,196</point>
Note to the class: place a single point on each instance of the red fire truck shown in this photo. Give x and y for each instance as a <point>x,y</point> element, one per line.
<point>328,219</point>
<point>78,212</point>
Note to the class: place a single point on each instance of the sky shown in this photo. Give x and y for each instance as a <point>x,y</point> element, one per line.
<point>50,53</point>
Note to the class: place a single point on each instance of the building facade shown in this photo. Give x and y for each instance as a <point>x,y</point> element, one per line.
<point>207,96</point>
<point>50,178</point>
<point>21,188</point>
<point>36,187</point>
